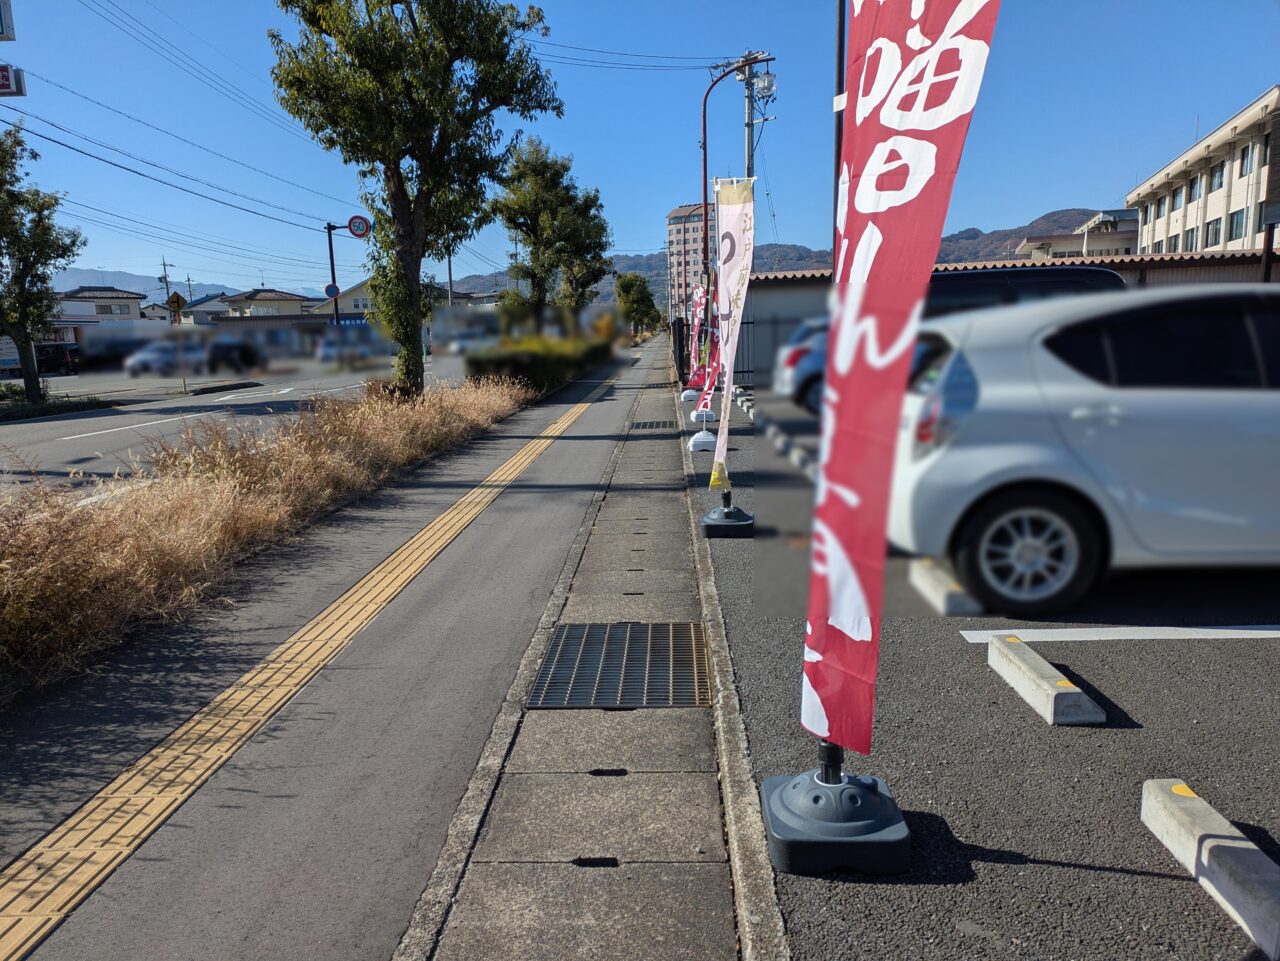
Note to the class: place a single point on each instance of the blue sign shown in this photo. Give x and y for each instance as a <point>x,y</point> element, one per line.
<point>331,291</point>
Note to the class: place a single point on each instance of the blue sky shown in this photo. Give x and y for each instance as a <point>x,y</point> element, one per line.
<point>1080,102</point>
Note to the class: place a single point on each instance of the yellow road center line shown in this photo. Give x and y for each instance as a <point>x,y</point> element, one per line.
<point>44,885</point>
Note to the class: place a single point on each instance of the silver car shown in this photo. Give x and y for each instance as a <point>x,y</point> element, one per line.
<point>1042,445</point>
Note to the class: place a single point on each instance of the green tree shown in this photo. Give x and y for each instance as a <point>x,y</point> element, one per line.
<point>583,259</point>
<point>32,249</point>
<point>635,302</point>
<point>409,92</point>
<point>537,190</point>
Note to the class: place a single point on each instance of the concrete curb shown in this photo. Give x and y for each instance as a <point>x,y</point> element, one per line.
<point>219,388</point>
<point>422,937</point>
<point>940,590</point>
<point>1040,684</point>
<point>1234,870</point>
<point>761,931</point>
<point>796,455</point>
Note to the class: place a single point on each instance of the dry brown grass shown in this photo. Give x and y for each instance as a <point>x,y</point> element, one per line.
<point>74,579</point>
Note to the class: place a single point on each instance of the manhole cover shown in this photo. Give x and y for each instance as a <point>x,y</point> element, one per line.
<point>654,425</point>
<point>624,665</point>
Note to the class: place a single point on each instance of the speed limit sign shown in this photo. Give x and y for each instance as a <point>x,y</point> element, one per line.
<point>359,227</point>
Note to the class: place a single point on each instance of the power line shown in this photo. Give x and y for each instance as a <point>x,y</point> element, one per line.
<point>182,139</point>
<point>193,68</point>
<point>213,245</point>
<point>158,166</point>
<point>222,53</point>
<point>620,53</point>
<point>606,65</point>
<point>147,176</point>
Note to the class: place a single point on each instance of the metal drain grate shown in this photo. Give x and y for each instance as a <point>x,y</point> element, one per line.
<point>654,425</point>
<point>624,665</point>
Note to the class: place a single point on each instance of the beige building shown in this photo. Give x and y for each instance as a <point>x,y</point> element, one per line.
<point>104,303</point>
<point>1211,196</point>
<point>265,302</point>
<point>1108,233</point>
<point>684,254</point>
<point>353,301</point>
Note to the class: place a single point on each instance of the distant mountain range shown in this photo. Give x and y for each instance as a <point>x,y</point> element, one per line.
<point>963,246</point>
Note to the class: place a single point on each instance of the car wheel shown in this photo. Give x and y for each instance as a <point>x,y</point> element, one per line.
<point>1029,552</point>
<point>811,396</point>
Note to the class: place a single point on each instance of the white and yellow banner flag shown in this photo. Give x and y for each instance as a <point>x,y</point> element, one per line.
<point>736,221</point>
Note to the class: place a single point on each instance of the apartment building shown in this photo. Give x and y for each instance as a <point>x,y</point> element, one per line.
<point>1211,197</point>
<point>684,254</point>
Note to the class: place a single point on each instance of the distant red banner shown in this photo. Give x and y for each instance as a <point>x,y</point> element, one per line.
<point>913,71</point>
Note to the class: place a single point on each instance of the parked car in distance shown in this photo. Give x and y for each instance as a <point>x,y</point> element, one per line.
<point>110,354</point>
<point>330,351</point>
<point>58,359</point>
<point>953,292</point>
<point>1041,445</point>
<point>791,353</point>
<point>162,357</point>
<point>237,355</point>
<point>468,340</point>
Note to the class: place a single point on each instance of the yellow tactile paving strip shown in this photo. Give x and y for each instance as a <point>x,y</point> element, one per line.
<point>48,882</point>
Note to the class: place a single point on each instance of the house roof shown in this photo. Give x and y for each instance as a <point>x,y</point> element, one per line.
<point>199,301</point>
<point>782,276</point>
<point>265,293</point>
<point>1119,260</point>
<point>100,293</point>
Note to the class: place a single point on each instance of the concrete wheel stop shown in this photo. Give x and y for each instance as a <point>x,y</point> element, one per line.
<point>728,521</point>
<point>825,820</point>
<point>689,393</point>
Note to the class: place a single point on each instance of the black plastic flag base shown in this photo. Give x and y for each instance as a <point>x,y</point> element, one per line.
<point>816,828</point>
<point>728,521</point>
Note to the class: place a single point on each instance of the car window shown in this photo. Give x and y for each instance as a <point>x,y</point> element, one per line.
<point>1202,346</point>
<point>1081,347</point>
<point>930,357</point>
<point>1266,327</point>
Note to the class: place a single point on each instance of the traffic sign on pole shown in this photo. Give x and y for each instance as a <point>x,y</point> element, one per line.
<point>331,291</point>
<point>6,21</point>
<point>13,82</point>
<point>176,301</point>
<point>359,227</point>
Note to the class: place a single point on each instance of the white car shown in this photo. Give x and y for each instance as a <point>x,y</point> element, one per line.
<point>1041,445</point>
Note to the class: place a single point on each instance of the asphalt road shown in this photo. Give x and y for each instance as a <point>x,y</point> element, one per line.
<point>315,840</point>
<point>98,444</point>
<point>1027,841</point>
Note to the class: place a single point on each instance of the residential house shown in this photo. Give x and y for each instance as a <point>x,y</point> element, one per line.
<point>265,302</point>
<point>206,310</point>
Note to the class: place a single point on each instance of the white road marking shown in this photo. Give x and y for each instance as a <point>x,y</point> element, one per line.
<point>1235,633</point>
<point>150,423</point>
<point>259,393</point>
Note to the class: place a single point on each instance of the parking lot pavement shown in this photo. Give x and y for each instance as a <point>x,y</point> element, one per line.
<point>1027,838</point>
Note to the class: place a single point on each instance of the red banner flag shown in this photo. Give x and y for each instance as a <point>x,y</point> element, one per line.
<point>913,71</point>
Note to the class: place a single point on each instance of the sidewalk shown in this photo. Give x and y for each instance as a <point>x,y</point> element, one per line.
<point>604,835</point>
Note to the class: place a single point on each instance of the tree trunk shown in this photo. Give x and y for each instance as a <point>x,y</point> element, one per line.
<point>30,369</point>
<point>409,369</point>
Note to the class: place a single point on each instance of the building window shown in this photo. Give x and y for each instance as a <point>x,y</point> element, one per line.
<point>111,309</point>
<point>1158,247</point>
<point>1189,241</point>
<point>1142,251</point>
<point>1213,233</point>
<point>1246,160</point>
<point>1160,207</point>
<point>1176,202</point>
<point>1173,245</point>
<point>1266,149</point>
<point>1236,225</point>
<point>1217,175</point>
<point>1146,214</point>
<point>1194,189</point>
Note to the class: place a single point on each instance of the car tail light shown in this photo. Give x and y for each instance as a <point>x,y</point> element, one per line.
<point>947,404</point>
<point>795,355</point>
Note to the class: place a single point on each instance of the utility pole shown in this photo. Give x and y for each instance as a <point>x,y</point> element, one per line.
<point>448,259</point>
<point>749,84</point>
<point>190,295</point>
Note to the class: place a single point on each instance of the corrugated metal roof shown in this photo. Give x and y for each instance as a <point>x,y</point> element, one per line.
<point>1120,260</point>
<point>775,276</point>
